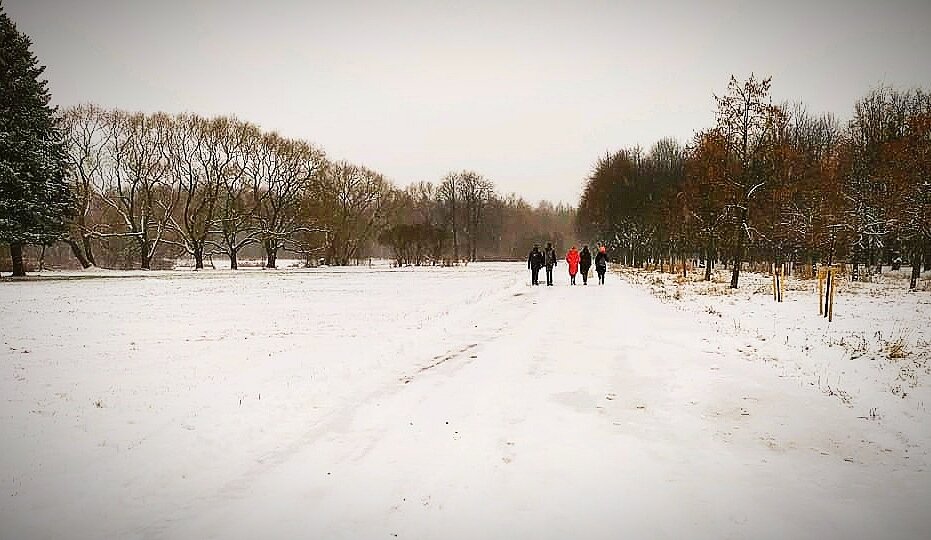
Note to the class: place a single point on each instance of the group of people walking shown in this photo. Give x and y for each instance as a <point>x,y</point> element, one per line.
<point>577,261</point>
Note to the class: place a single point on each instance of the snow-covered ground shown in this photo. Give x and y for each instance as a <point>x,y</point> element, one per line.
<point>458,403</point>
<point>874,356</point>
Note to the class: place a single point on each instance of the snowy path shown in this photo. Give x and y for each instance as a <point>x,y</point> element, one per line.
<point>599,414</point>
<point>561,412</point>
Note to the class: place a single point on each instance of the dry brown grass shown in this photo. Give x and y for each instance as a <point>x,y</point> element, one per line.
<point>898,344</point>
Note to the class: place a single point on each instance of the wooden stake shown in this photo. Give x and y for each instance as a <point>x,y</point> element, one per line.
<point>831,305</point>
<point>820,291</point>
<point>779,283</point>
<point>775,287</point>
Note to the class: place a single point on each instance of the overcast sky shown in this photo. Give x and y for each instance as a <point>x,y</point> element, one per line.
<point>527,93</point>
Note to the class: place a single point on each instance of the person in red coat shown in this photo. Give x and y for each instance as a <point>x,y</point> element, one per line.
<point>573,259</point>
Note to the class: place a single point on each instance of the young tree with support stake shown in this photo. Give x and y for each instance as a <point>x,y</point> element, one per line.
<point>34,197</point>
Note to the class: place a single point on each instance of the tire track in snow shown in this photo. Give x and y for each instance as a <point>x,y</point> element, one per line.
<point>482,318</point>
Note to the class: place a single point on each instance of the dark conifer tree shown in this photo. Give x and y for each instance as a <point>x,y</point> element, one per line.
<point>34,197</point>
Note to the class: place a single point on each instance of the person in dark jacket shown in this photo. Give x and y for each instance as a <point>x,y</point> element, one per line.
<point>601,264</point>
<point>585,263</point>
<point>549,257</point>
<point>534,263</point>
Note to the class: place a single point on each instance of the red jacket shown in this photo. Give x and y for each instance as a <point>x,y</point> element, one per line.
<point>573,259</point>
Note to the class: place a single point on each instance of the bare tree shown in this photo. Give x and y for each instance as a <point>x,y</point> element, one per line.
<point>239,199</point>
<point>448,197</point>
<point>284,171</point>
<point>906,168</point>
<point>358,200</point>
<point>206,157</point>
<point>745,116</point>
<point>424,206</point>
<point>704,195</point>
<point>475,194</point>
<point>879,119</point>
<point>188,157</point>
<point>138,185</point>
<point>812,214</point>
<point>85,129</point>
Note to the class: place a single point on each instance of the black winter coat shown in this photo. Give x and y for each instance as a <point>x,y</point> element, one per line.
<point>550,256</point>
<point>585,260</point>
<point>535,260</point>
<point>601,261</point>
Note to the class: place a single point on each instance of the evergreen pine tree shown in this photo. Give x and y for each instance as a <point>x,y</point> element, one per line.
<point>34,197</point>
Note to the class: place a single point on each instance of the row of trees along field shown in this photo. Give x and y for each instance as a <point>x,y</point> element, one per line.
<point>774,184</point>
<point>153,187</point>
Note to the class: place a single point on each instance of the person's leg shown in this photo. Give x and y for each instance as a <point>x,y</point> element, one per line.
<point>585,277</point>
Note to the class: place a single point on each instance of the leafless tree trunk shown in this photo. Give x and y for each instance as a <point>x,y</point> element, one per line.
<point>16,254</point>
<point>916,268</point>
<point>86,130</point>
<point>448,194</point>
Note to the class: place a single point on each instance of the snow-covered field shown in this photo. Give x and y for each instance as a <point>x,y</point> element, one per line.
<point>459,403</point>
<point>874,356</point>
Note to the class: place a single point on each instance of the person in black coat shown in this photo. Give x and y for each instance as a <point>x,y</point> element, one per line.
<point>534,263</point>
<point>549,257</point>
<point>601,264</point>
<point>585,263</point>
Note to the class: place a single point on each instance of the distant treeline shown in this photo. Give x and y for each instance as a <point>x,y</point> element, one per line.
<point>774,184</point>
<point>150,188</point>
